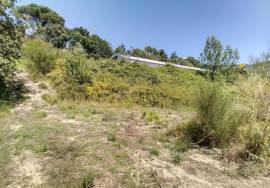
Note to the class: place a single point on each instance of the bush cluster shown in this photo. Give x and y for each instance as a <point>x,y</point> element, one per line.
<point>41,56</point>
<point>77,77</point>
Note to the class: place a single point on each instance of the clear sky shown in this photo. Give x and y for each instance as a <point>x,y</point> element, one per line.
<point>174,25</point>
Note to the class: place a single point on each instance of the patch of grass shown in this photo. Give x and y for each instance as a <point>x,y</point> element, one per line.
<point>154,152</point>
<point>77,108</point>
<point>88,181</point>
<point>42,149</point>
<point>250,168</point>
<point>152,116</point>
<point>111,136</point>
<point>141,140</point>
<point>41,114</point>
<point>49,99</point>
<point>176,157</point>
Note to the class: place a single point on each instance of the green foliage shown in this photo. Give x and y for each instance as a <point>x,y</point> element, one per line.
<point>154,152</point>
<point>10,41</point>
<point>94,46</point>
<point>152,116</point>
<point>111,136</point>
<point>88,181</point>
<point>219,60</point>
<point>45,23</point>
<point>56,34</point>
<point>120,49</point>
<point>40,14</point>
<point>77,77</point>
<point>41,56</point>
<point>261,66</point>
<point>217,122</point>
<point>176,157</point>
<point>76,69</point>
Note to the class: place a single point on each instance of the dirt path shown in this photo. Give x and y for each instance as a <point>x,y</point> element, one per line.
<point>26,168</point>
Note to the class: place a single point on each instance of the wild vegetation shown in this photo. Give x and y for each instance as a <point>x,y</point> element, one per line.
<point>130,106</point>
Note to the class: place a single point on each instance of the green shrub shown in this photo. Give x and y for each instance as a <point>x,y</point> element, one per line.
<point>256,143</point>
<point>76,66</point>
<point>111,136</point>
<point>176,157</point>
<point>151,116</point>
<point>88,181</point>
<point>154,152</point>
<point>41,56</point>
<point>217,122</point>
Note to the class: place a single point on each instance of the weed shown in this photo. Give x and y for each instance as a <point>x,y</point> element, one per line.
<point>43,149</point>
<point>154,152</point>
<point>152,116</point>
<point>176,157</point>
<point>111,136</point>
<point>88,181</point>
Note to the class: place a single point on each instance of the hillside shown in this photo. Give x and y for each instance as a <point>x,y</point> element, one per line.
<point>46,145</point>
<point>73,116</point>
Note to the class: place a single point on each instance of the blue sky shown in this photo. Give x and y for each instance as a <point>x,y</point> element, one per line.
<point>174,25</point>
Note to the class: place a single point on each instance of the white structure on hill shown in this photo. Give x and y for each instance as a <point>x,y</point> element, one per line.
<point>151,62</point>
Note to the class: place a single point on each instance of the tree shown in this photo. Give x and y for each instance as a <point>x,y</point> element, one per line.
<point>45,22</point>
<point>151,51</point>
<point>10,39</point>
<point>162,54</point>
<point>56,34</point>
<point>93,44</point>
<point>40,15</point>
<point>120,49</point>
<point>195,62</point>
<point>174,56</point>
<point>138,53</point>
<point>217,59</point>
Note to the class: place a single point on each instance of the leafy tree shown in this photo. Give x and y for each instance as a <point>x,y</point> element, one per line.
<point>151,51</point>
<point>217,59</point>
<point>93,44</point>
<point>162,54</point>
<point>120,49</point>
<point>56,34</point>
<point>40,14</point>
<point>45,22</point>
<point>138,53</point>
<point>10,39</point>
<point>174,56</point>
<point>82,31</point>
